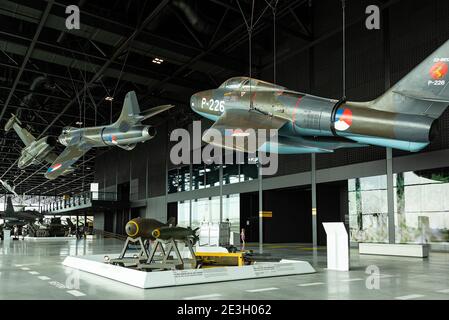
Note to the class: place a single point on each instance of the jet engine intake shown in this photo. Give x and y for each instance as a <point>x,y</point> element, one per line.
<point>149,132</point>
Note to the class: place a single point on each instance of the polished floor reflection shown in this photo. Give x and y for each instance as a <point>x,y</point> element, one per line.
<point>34,271</point>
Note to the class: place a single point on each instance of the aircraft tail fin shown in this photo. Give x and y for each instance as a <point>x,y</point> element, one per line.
<point>69,222</point>
<point>130,114</point>
<point>9,206</point>
<point>423,91</point>
<point>196,237</point>
<point>13,120</point>
<point>24,135</point>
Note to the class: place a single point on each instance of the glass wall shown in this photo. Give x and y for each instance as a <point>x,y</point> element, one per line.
<point>208,210</point>
<point>206,176</point>
<point>421,207</point>
<point>368,209</point>
<point>179,179</point>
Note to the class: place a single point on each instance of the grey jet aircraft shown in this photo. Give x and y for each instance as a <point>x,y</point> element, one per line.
<point>405,117</point>
<point>9,187</point>
<point>18,218</point>
<point>35,151</point>
<point>125,133</point>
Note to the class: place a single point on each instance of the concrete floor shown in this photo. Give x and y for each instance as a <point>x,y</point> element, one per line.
<point>34,271</point>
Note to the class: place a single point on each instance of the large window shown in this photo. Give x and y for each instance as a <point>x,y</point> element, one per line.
<point>179,179</point>
<point>368,209</point>
<point>208,175</point>
<point>421,207</point>
<point>208,210</point>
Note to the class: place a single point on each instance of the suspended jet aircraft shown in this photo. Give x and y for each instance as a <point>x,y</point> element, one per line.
<point>10,187</point>
<point>35,151</point>
<point>125,133</point>
<point>18,218</point>
<point>404,117</point>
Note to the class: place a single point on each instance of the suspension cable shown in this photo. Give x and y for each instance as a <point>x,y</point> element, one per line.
<point>274,40</point>
<point>343,7</point>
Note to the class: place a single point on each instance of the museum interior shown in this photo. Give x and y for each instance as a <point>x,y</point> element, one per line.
<point>224,150</point>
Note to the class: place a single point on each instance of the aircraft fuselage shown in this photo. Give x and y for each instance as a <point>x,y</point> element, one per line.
<point>319,118</point>
<point>102,136</point>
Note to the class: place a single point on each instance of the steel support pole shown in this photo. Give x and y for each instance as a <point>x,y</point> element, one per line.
<point>146,186</point>
<point>390,196</point>
<point>389,151</point>
<point>260,209</point>
<point>314,211</point>
<point>190,188</point>
<point>221,192</point>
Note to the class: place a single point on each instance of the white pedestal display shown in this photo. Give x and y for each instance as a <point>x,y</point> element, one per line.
<point>393,249</point>
<point>95,264</point>
<point>337,246</point>
<point>48,239</point>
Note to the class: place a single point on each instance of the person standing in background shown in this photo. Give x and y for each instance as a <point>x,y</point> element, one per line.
<point>242,238</point>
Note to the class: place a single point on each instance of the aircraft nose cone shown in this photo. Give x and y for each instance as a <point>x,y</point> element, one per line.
<point>193,101</point>
<point>62,140</point>
<point>132,229</point>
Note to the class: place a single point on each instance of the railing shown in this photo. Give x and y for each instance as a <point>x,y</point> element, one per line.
<point>80,199</point>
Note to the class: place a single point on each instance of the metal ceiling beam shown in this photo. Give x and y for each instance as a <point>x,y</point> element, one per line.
<point>189,30</point>
<point>261,27</point>
<point>81,58</point>
<point>306,30</point>
<point>180,51</point>
<point>28,54</point>
<point>43,73</point>
<point>119,50</point>
<point>328,35</point>
<point>37,93</point>
<point>267,20</point>
<point>51,112</point>
<point>198,57</point>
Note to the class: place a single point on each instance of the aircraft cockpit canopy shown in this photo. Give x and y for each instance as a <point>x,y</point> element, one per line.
<point>66,130</point>
<point>245,83</point>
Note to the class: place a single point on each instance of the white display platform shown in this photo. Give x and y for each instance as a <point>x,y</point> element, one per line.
<point>337,246</point>
<point>48,239</point>
<point>393,249</point>
<point>145,280</point>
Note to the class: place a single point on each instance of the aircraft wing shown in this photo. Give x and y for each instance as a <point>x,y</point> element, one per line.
<point>51,157</point>
<point>24,135</point>
<point>64,161</point>
<point>235,131</point>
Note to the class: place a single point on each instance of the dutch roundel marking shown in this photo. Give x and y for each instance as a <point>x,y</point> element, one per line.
<point>343,119</point>
<point>438,70</point>
<point>55,167</point>
<point>113,139</point>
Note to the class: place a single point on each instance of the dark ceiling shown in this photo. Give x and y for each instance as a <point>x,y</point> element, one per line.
<point>52,77</point>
